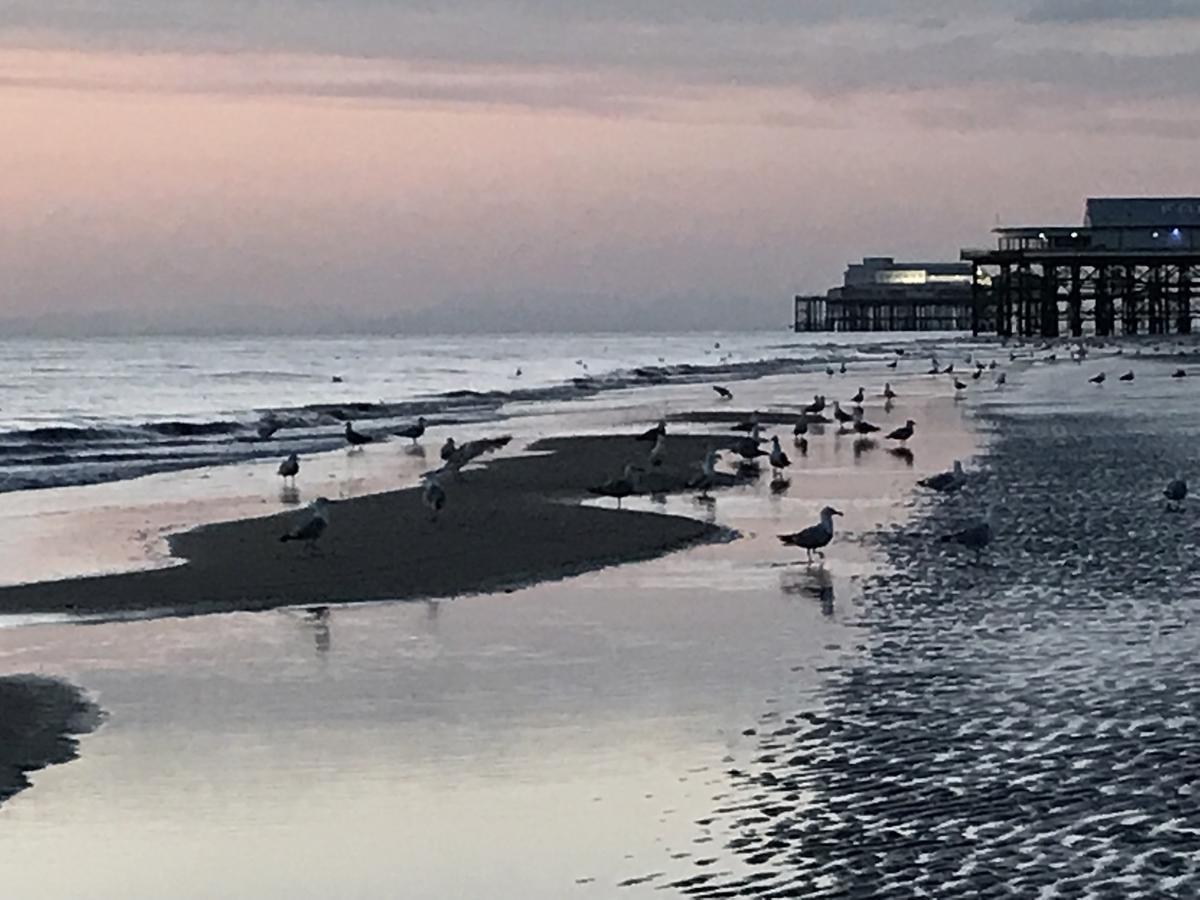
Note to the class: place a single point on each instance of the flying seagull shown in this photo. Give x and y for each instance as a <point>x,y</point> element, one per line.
<point>414,431</point>
<point>946,482</point>
<point>723,392</point>
<point>356,438</point>
<point>619,488</point>
<point>290,467</point>
<point>903,433</point>
<point>813,538</point>
<point>456,456</point>
<point>310,532</point>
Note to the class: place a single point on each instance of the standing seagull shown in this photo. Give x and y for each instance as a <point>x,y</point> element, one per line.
<point>861,426</point>
<point>1128,376</point>
<point>857,398</point>
<point>946,482</point>
<point>888,393</point>
<point>1175,492</point>
<point>813,538</point>
<point>903,433</point>
<point>959,386</point>
<point>1098,378</point>
<point>840,414</point>
<point>414,430</point>
<point>723,392</point>
<point>816,407</point>
<point>310,532</point>
<point>658,453</point>
<point>290,467</point>
<point>974,537</point>
<point>779,459</point>
<point>356,438</point>
<point>708,474</point>
<point>620,488</point>
<point>433,495</point>
<point>653,434</point>
<point>1001,379</point>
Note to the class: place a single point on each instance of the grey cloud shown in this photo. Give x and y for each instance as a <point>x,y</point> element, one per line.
<point>1088,11</point>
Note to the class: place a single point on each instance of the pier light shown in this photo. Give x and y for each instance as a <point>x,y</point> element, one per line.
<point>1041,235</point>
<point>1074,234</point>
<point>1154,235</point>
<point>1176,234</point>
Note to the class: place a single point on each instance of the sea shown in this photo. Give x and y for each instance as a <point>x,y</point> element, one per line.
<point>84,411</point>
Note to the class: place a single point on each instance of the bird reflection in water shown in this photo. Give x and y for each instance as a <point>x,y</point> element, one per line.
<point>416,450</point>
<point>902,453</point>
<point>816,583</point>
<point>317,618</point>
<point>861,446</point>
<point>289,495</point>
<point>780,485</point>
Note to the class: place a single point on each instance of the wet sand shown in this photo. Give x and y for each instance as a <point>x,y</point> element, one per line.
<point>513,522</point>
<point>1022,727</point>
<point>38,718</point>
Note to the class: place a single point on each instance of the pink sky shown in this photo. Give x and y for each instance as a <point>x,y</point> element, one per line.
<point>186,185</point>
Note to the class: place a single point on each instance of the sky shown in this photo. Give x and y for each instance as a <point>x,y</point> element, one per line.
<point>323,165</point>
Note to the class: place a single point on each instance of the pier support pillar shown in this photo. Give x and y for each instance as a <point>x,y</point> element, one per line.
<point>1075,304</point>
<point>1048,304</point>
<point>1184,321</point>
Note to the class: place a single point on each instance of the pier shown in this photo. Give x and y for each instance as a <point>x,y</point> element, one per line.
<point>1132,268</point>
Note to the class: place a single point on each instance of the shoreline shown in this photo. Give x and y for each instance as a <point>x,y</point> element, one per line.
<point>1003,712</point>
<point>42,717</point>
<point>516,521</point>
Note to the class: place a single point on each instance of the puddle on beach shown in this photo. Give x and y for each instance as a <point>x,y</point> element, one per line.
<point>553,742</point>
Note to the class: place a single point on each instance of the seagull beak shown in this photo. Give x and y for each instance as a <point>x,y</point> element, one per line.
<point>837,512</point>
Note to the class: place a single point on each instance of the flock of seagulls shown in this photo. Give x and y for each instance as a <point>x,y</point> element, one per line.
<point>747,448</point>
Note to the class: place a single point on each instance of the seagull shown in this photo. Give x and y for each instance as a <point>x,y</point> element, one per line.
<point>290,467</point>
<point>620,488</point>
<point>843,368</point>
<point>310,532</point>
<point>356,438</point>
<point>934,367</point>
<point>814,537</point>
<point>801,426</point>
<point>413,431</point>
<point>829,371</point>
<point>974,537</point>
<point>1176,493</point>
<point>457,456</point>
<point>779,459</point>
<point>888,393</point>
<point>959,386</point>
<point>267,427</point>
<point>1179,373</point>
<point>750,424</point>
<point>840,414</point>
<point>903,433</point>
<point>1001,379</point>
<point>708,473</point>
<point>659,451</point>
<point>723,392</point>
<point>748,449</point>
<point>1098,378</point>
<point>1128,376</point>
<point>977,373</point>
<point>857,398</point>
<point>946,482</point>
<point>817,406</point>
<point>892,364</point>
<point>949,370</point>
<point>433,495</point>
<point>652,434</point>
<point>861,426</point>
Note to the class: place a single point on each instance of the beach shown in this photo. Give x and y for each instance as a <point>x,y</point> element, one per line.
<point>596,718</point>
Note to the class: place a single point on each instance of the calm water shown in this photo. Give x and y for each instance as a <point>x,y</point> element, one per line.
<point>549,743</point>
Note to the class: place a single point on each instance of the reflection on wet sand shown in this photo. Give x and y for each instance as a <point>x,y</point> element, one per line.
<point>809,582</point>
